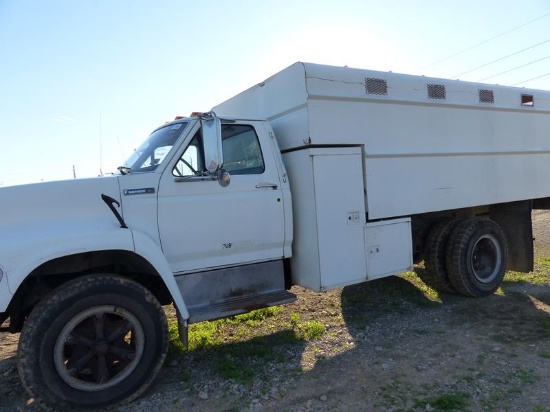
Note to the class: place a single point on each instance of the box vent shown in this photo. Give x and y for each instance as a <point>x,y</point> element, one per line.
<point>376,86</point>
<point>527,100</point>
<point>436,91</point>
<point>486,96</point>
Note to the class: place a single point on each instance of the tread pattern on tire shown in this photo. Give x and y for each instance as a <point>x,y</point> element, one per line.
<point>457,256</point>
<point>39,321</point>
<point>435,253</point>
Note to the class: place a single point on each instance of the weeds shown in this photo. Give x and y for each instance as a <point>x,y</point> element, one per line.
<point>527,376</point>
<point>452,401</point>
<point>295,319</point>
<point>538,277</point>
<point>310,330</point>
<point>234,369</point>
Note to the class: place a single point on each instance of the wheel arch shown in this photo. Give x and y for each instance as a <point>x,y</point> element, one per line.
<point>154,276</point>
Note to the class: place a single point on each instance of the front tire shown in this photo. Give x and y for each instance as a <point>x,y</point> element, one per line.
<point>477,255</point>
<point>94,341</point>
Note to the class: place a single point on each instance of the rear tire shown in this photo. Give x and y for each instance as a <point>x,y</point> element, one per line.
<point>477,255</point>
<point>435,256</point>
<point>95,341</point>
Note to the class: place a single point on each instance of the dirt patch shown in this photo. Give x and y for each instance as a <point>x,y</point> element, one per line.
<point>386,345</point>
<point>10,387</point>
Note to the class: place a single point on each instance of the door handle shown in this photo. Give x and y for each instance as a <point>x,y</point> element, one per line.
<point>266,186</point>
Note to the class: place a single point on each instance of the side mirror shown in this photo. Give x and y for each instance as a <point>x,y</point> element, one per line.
<point>212,141</point>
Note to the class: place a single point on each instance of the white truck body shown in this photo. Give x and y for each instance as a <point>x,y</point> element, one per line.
<point>320,177</point>
<point>421,145</point>
<point>421,154</point>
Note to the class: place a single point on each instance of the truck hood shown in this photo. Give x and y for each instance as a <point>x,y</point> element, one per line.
<point>68,200</point>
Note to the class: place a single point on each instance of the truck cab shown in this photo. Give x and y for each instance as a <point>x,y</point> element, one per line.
<point>224,232</point>
<point>199,216</point>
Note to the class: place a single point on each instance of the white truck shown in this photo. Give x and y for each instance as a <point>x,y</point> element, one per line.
<point>320,177</point>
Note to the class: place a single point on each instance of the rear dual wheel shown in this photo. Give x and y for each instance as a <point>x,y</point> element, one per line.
<point>477,255</point>
<point>466,256</point>
<point>436,274</point>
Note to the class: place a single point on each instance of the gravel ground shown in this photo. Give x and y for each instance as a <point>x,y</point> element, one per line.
<point>388,345</point>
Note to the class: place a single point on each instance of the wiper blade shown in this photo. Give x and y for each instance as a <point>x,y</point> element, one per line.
<point>124,170</point>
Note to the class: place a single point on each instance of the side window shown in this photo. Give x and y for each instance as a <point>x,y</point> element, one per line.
<point>191,163</point>
<point>242,154</point>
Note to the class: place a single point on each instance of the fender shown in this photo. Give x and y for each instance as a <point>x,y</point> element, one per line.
<point>30,248</point>
<point>150,251</point>
<point>26,248</point>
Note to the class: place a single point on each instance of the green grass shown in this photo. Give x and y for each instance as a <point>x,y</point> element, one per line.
<point>255,315</point>
<point>203,335</point>
<point>235,369</point>
<point>429,293</point>
<point>540,276</point>
<point>310,330</point>
<point>452,401</point>
<point>527,376</point>
<point>295,319</point>
<point>208,334</point>
<point>543,261</point>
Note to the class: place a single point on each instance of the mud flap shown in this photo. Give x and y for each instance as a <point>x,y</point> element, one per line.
<point>515,219</point>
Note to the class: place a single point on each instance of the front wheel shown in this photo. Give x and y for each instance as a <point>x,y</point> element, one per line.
<point>95,341</point>
<point>477,255</point>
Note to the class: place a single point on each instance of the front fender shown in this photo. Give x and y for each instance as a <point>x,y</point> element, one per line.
<point>26,248</point>
<point>150,251</point>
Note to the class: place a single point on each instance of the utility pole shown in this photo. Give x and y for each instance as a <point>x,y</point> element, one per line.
<point>74,173</point>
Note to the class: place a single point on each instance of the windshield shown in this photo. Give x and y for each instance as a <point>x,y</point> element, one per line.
<point>154,150</point>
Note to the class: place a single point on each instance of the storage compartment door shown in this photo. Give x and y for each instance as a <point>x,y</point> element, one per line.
<point>340,209</point>
<point>389,248</point>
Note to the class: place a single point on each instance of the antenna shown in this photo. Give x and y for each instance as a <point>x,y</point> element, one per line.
<point>100,146</point>
<point>120,147</point>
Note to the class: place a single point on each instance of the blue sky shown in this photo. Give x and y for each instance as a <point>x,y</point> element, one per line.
<point>82,83</point>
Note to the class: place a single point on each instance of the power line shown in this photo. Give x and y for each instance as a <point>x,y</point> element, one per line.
<point>533,78</point>
<point>502,58</point>
<point>485,41</point>
<point>515,68</point>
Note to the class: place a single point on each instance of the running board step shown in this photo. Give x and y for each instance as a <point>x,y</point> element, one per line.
<point>237,306</point>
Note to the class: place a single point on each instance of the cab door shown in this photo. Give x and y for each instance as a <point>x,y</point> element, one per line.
<point>204,225</point>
